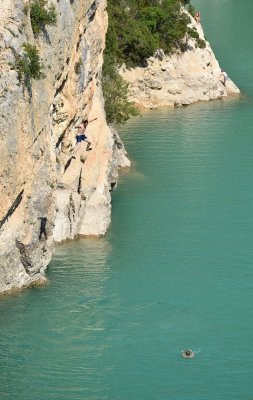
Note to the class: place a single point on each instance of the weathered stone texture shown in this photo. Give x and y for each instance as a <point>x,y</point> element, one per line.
<point>38,176</point>
<point>180,79</point>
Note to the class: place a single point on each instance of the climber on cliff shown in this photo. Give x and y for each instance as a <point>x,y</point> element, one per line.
<point>81,137</point>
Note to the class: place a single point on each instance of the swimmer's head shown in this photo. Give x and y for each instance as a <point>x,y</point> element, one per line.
<point>188,352</point>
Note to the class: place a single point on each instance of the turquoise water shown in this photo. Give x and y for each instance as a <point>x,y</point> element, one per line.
<point>174,271</point>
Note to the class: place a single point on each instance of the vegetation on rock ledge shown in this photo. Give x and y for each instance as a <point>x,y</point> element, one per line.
<point>41,16</point>
<point>117,107</point>
<point>136,29</point>
<point>29,65</point>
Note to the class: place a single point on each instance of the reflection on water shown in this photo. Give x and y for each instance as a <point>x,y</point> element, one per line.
<point>52,336</point>
<point>174,271</point>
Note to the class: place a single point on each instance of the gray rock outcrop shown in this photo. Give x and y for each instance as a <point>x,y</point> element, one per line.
<point>47,195</point>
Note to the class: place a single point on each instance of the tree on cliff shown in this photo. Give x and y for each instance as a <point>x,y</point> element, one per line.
<point>136,29</point>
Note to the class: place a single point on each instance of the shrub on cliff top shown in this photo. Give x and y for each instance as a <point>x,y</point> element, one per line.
<point>136,29</point>
<point>41,16</point>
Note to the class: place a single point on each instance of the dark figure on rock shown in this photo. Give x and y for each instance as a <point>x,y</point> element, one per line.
<point>43,223</point>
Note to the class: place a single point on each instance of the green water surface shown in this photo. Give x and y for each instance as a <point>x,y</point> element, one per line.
<point>174,271</point>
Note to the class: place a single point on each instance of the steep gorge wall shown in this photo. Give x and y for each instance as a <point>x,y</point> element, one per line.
<point>38,176</point>
<point>43,175</point>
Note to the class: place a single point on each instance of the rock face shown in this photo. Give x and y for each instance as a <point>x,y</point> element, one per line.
<point>48,195</point>
<point>51,189</point>
<point>180,79</point>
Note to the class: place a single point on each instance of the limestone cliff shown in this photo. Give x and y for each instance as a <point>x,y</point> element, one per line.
<point>179,79</point>
<point>40,180</point>
<point>52,190</point>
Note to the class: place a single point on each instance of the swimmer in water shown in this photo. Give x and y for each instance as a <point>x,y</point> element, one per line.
<point>188,353</point>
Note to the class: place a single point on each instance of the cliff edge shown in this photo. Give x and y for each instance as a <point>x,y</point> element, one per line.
<point>51,190</point>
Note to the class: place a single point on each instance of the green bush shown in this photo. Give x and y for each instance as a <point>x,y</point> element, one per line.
<point>128,40</point>
<point>41,16</point>
<point>152,17</point>
<point>115,90</point>
<point>191,10</point>
<point>194,34</point>
<point>29,65</point>
<point>136,29</point>
<point>201,43</point>
<point>173,27</point>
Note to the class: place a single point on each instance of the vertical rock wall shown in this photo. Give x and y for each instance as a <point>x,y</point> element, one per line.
<point>40,181</point>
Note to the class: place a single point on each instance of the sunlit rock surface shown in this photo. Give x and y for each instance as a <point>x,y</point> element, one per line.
<point>179,79</point>
<point>40,181</point>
